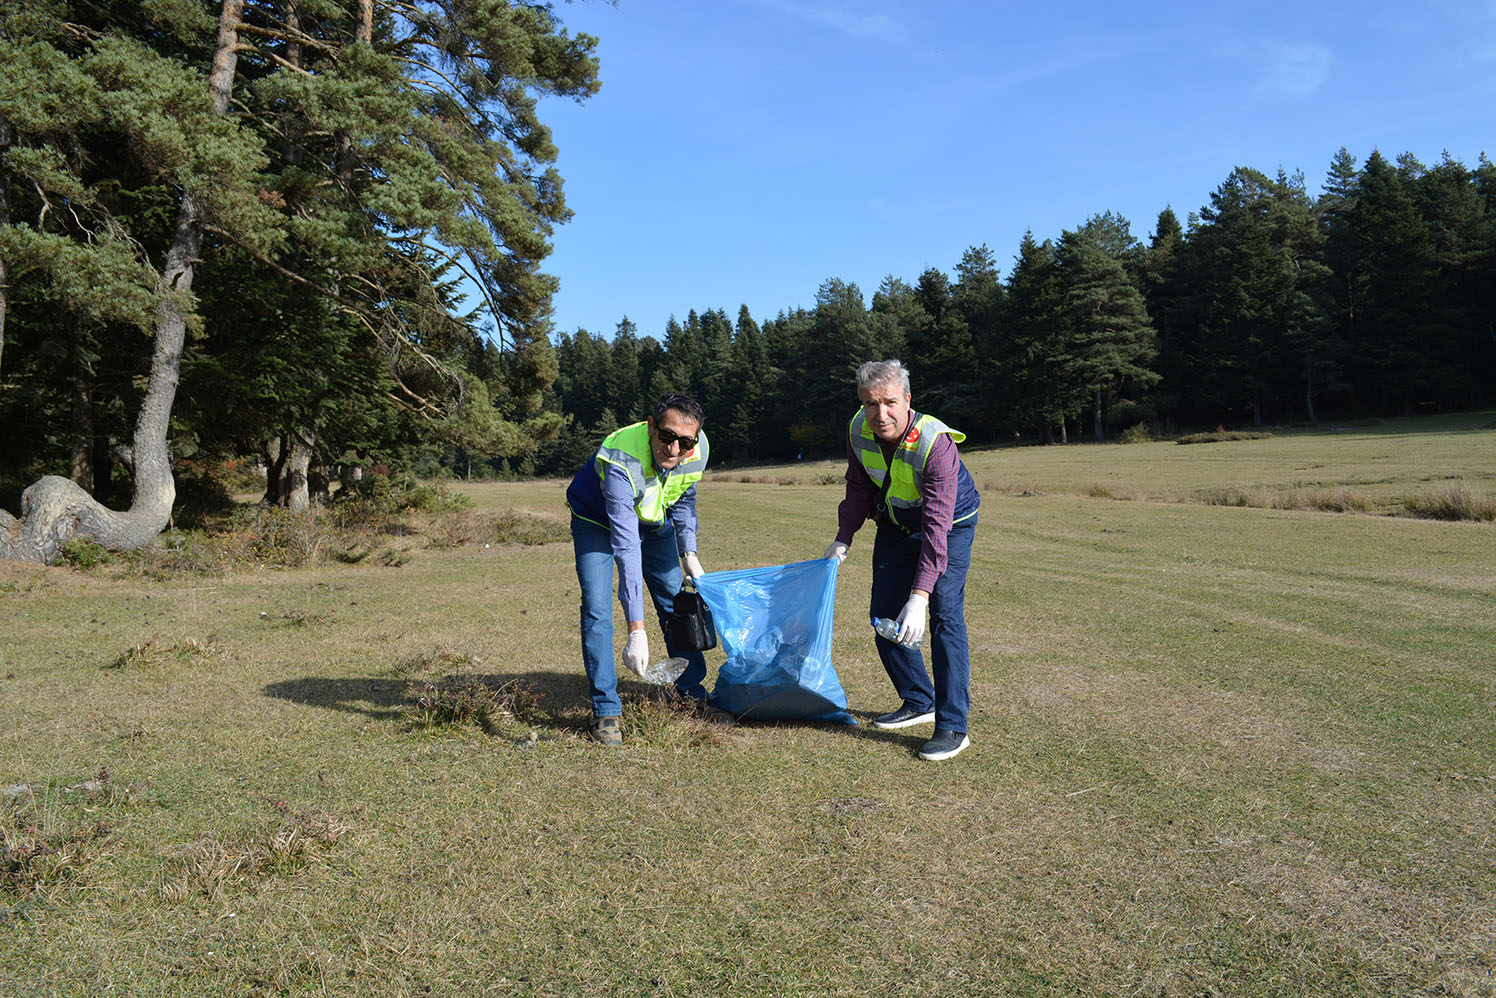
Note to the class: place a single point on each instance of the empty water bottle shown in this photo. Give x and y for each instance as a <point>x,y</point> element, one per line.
<point>890,629</point>
<point>666,670</point>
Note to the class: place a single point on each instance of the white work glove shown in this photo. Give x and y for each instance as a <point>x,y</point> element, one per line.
<point>913,620</point>
<point>693,565</point>
<point>837,550</point>
<point>636,653</point>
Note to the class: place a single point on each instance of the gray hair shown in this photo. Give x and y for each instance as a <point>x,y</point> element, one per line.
<point>879,372</point>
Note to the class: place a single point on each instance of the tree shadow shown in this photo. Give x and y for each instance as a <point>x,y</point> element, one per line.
<point>389,698</point>
<point>559,701</point>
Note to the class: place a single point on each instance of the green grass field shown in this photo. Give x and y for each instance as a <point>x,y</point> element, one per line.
<point>1224,743</point>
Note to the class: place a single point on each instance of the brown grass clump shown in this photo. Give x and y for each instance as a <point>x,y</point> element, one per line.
<point>471,700</point>
<point>1246,498</point>
<point>44,848</point>
<point>151,653</point>
<point>209,866</point>
<point>1453,502</point>
<point>664,719</point>
<point>1331,501</point>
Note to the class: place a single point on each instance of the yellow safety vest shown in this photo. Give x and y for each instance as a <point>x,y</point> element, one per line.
<point>909,457</point>
<point>628,449</point>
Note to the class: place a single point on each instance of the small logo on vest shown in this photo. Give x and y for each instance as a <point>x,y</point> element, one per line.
<point>912,437</point>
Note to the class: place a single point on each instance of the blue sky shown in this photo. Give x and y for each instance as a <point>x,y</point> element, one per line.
<point>744,151</point>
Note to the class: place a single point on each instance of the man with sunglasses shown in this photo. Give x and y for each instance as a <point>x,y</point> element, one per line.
<point>904,474</point>
<point>633,505</point>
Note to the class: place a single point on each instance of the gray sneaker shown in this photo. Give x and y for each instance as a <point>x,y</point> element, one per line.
<point>605,731</point>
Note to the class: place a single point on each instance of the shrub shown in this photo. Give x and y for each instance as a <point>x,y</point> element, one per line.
<point>179,552</point>
<point>85,553</point>
<point>1138,433</point>
<point>1220,436</point>
<point>388,495</point>
<point>274,535</point>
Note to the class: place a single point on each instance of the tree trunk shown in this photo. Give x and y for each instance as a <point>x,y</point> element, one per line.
<point>275,462</point>
<point>54,510</point>
<point>287,474</point>
<point>4,220</point>
<point>296,496</point>
<point>1096,424</point>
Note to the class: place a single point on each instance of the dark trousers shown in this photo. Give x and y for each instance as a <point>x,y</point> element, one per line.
<point>895,556</point>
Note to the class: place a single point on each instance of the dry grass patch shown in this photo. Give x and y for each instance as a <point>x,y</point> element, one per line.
<point>210,867</point>
<point>1240,497</point>
<point>1327,500</point>
<point>1222,436</point>
<point>465,528</point>
<point>151,653</point>
<point>50,843</point>
<point>475,700</point>
<point>1454,502</point>
<point>662,719</point>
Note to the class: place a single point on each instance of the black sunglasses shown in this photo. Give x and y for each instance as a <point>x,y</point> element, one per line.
<point>668,437</point>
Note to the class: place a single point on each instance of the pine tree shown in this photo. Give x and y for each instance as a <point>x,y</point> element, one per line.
<point>1111,340</point>
<point>1040,396</point>
<point>367,158</point>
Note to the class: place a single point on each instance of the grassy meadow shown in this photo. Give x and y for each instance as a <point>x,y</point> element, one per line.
<point>1225,741</point>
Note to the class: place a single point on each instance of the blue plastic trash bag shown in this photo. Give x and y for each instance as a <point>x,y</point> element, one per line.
<point>774,624</point>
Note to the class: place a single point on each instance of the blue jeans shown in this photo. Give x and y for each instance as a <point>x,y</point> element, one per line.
<point>662,579</point>
<point>895,556</point>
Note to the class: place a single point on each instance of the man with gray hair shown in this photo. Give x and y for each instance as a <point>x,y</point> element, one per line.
<point>904,473</point>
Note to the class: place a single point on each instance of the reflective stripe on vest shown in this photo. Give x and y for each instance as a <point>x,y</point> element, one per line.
<point>628,449</point>
<point>909,457</point>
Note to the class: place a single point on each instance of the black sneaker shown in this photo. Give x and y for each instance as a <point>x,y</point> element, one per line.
<point>944,745</point>
<point>903,718</point>
<point>605,731</point>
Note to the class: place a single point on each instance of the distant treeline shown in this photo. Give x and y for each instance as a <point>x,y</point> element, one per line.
<point>1266,306</point>
<point>1378,298</point>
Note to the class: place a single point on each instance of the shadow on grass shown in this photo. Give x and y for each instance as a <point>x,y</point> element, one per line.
<point>562,702</point>
<point>386,698</point>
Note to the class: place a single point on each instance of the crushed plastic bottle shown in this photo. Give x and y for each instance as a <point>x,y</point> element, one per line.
<point>666,670</point>
<point>890,629</point>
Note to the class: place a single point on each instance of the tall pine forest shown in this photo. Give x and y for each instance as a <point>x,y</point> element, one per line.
<point>375,168</point>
